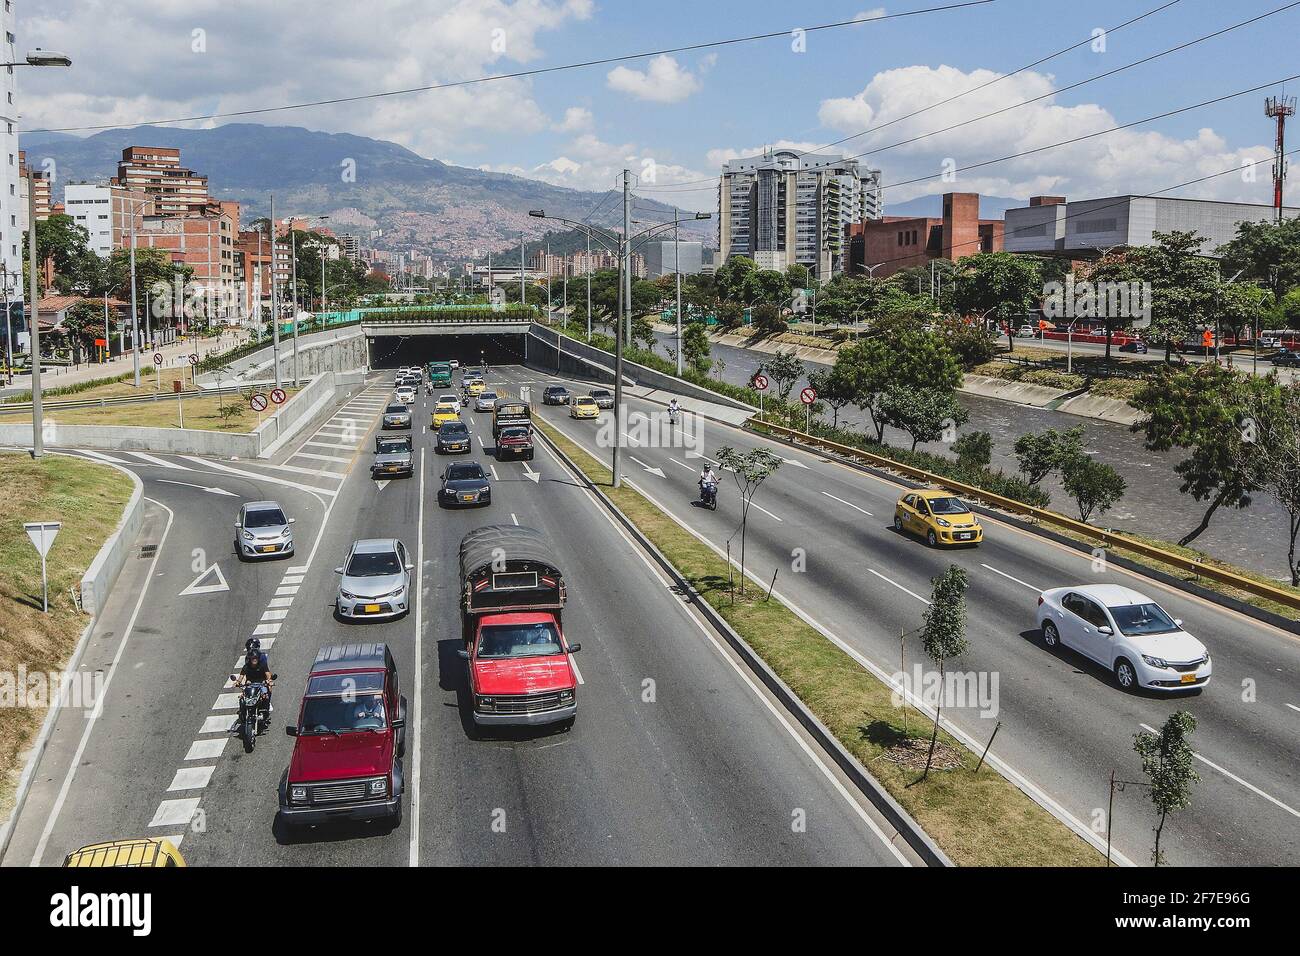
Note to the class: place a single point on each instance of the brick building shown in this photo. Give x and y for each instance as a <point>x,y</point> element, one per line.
<point>895,243</point>
<point>157,170</point>
<point>205,243</point>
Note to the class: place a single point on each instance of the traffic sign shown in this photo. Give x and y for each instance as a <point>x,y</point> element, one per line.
<point>808,395</point>
<point>43,534</point>
<point>157,359</point>
<point>194,358</point>
<point>760,382</point>
<point>278,396</point>
<point>258,402</point>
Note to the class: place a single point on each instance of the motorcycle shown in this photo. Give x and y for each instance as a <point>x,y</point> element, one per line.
<point>673,415</point>
<point>254,715</point>
<point>709,495</point>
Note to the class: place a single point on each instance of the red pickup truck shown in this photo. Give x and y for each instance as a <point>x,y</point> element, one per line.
<point>520,669</point>
<point>349,740</point>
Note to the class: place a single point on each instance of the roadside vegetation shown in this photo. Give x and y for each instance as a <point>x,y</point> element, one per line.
<point>88,499</point>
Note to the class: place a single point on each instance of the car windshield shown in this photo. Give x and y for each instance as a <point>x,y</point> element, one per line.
<point>497,641</point>
<point>948,506</point>
<point>600,393</point>
<point>395,410</point>
<point>514,433</point>
<point>487,396</point>
<point>1134,620</point>
<point>464,472</point>
<point>346,714</point>
<point>369,564</point>
<point>393,446</point>
<point>453,430</point>
<point>264,518</point>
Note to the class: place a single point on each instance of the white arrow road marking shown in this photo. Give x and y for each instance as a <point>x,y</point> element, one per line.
<point>209,489</point>
<point>653,471</point>
<point>794,461</point>
<point>382,484</point>
<point>1232,776</point>
<point>196,588</point>
<point>528,471</point>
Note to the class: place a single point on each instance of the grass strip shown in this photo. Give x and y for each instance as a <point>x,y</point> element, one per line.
<point>88,499</point>
<point>978,819</point>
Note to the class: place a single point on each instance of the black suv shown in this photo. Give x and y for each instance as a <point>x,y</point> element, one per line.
<point>555,395</point>
<point>453,438</point>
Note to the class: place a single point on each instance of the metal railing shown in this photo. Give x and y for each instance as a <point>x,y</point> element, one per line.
<point>108,402</point>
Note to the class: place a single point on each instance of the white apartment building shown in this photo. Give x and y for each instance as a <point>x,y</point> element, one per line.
<point>13,196</point>
<point>104,211</point>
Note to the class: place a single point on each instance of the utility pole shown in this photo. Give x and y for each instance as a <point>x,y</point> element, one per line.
<point>625,292</point>
<point>1279,108</point>
<point>275,303</point>
<point>523,293</point>
<point>677,268</point>
<point>38,424</point>
<point>135,321</point>
<point>549,317</point>
<point>589,286</point>
<point>9,327</point>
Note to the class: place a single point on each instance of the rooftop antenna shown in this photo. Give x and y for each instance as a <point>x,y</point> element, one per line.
<point>1279,108</point>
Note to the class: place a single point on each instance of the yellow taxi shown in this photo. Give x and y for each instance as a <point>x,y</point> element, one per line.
<point>445,412</point>
<point>583,406</point>
<point>938,516</point>
<point>474,387</point>
<point>149,851</point>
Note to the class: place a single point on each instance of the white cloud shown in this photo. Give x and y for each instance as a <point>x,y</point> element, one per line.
<point>575,118</point>
<point>1132,160</point>
<point>663,81</point>
<point>875,14</point>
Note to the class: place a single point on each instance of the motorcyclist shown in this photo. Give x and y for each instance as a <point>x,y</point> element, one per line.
<point>708,482</point>
<point>256,670</point>
<point>673,410</point>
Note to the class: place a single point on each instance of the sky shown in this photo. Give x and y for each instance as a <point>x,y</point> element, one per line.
<point>673,119</point>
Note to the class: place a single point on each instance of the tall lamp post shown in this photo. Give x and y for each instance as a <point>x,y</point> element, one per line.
<point>293,261</point>
<point>622,244</point>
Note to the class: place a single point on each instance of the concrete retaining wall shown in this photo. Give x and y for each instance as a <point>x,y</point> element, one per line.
<point>1098,406</point>
<point>102,574</point>
<point>1023,393</point>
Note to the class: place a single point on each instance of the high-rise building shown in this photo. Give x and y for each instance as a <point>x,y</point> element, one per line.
<point>42,180</point>
<point>105,211</point>
<point>785,208</point>
<point>13,209</point>
<point>661,257</point>
<point>157,170</point>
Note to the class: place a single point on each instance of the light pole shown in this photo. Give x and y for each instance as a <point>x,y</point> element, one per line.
<point>677,268</point>
<point>589,287</point>
<point>135,321</point>
<point>9,328</point>
<point>275,301</point>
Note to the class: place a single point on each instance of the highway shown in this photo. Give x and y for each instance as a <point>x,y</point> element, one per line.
<point>1065,725</point>
<point>677,757</point>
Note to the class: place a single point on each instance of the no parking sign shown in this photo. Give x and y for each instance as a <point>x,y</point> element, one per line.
<point>258,402</point>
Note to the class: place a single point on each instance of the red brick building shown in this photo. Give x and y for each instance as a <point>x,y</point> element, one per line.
<point>895,243</point>
<point>205,243</point>
<point>157,170</point>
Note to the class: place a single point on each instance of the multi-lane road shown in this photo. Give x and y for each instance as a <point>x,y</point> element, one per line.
<point>1065,725</point>
<point>678,756</point>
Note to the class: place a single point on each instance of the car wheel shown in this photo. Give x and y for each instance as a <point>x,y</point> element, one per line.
<point>1125,675</point>
<point>932,539</point>
<point>1051,636</point>
<point>898,523</point>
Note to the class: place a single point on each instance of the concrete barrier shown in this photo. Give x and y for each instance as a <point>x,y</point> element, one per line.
<point>1022,393</point>
<point>103,571</point>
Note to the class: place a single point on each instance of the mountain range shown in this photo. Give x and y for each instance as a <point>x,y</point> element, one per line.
<point>362,184</point>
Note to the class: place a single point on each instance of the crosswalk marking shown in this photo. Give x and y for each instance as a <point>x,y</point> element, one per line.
<point>171,813</point>
<point>215,725</point>
<point>191,778</point>
<point>157,461</point>
<point>100,457</point>
<point>207,749</point>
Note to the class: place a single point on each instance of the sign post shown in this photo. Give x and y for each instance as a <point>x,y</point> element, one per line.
<point>808,396</point>
<point>194,368</point>
<point>157,364</point>
<point>258,401</point>
<point>43,534</point>
<point>760,383</point>
<point>278,396</point>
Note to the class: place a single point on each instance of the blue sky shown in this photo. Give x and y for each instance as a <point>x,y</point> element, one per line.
<point>136,61</point>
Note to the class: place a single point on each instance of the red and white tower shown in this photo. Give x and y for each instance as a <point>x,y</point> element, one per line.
<point>1279,108</point>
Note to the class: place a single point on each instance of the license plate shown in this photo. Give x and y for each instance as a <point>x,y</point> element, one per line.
<point>466,497</point>
<point>1187,678</point>
<point>267,547</point>
<point>371,609</point>
<point>964,535</point>
<point>391,468</point>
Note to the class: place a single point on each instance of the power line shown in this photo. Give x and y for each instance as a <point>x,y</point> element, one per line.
<point>956,96</point>
<point>522,74</point>
<point>1050,93</point>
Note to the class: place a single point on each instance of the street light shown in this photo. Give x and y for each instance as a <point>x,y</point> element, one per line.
<point>39,57</point>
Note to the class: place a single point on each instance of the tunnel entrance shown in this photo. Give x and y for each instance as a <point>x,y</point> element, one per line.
<point>392,351</point>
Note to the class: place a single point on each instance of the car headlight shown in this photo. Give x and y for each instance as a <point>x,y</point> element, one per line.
<point>297,794</point>
<point>248,535</point>
<point>394,593</point>
<point>486,703</point>
<point>348,595</point>
<point>286,532</point>
<point>378,787</point>
<point>1156,661</point>
<point>566,695</point>
<point>943,522</point>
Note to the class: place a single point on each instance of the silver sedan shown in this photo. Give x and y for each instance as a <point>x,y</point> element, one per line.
<point>375,580</point>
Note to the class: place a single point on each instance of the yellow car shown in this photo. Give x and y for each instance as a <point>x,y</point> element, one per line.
<point>938,516</point>
<point>583,406</point>
<point>445,412</point>
<point>150,851</point>
<point>474,387</point>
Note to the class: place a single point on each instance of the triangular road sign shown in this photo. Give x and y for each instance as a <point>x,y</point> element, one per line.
<point>198,588</point>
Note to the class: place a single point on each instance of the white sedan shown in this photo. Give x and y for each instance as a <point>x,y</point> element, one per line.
<point>1127,633</point>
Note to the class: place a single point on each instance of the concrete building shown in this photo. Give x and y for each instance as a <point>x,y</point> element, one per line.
<point>105,211</point>
<point>895,243</point>
<point>206,244</point>
<point>1085,229</point>
<point>13,196</point>
<point>351,246</point>
<point>157,170</point>
<point>42,179</point>
<point>783,208</point>
<point>661,258</point>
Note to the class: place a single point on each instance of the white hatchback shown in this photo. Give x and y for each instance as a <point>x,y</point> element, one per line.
<point>1127,633</point>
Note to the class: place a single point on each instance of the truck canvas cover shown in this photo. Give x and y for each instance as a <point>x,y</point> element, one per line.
<point>509,567</point>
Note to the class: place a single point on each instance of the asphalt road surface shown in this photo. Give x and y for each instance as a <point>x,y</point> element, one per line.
<point>677,757</point>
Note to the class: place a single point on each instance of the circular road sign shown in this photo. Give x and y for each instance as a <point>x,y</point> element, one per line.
<point>194,358</point>
<point>808,395</point>
<point>278,396</point>
<point>258,402</point>
<point>760,382</point>
<point>157,358</point>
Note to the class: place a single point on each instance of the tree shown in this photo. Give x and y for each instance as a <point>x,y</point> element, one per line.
<point>1184,286</point>
<point>1040,455</point>
<point>1275,458</point>
<point>784,370</point>
<point>997,284</point>
<point>900,354</point>
<point>765,287</point>
<point>797,276</point>
<point>926,414</point>
<point>974,450</point>
<point>1170,765</point>
<point>969,342</point>
<point>835,387</point>
<point>943,634</point>
<point>767,319</point>
<point>1287,310</point>
<point>1267,253</point>
<point>1242,307</point>
<point>1203,410</point>
<point>695,347</point>
<point>750,469</point>
<point>1094,485</point>
<point>730,278</point>
<point>83,323</point>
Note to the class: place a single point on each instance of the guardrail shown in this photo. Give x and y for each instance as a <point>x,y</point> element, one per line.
<point>156,396</point>
<point>1110,538</point>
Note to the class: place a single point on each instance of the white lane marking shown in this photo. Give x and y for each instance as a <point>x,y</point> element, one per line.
<point>101,457</point>
<point>157,461</point>
<point>191,778</point>
<point>271,628</point>
<point>493,469</point>
<point>208,488</point>
<point>300,569</point>
<point>311,489</point>
<point>577,674</point>
<point>286,589</point>
<point>849,503</point>
<point>173,813</point>
<point>95,714</point>
<point>215,725</point>
<point>762,509</point>
<point>899,586</point>
<point>414,780</point>
<point>281,602</point>
<point>689,468</point>
<point>513,518</point>
<point>1294,707</point>
<point>278,615</point>
<point>207,749</point>
<point>314,457</point>
<point>1010,578</point>
<point>1232,776</point>
<point>291,578</point>
<point>226,702</point>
